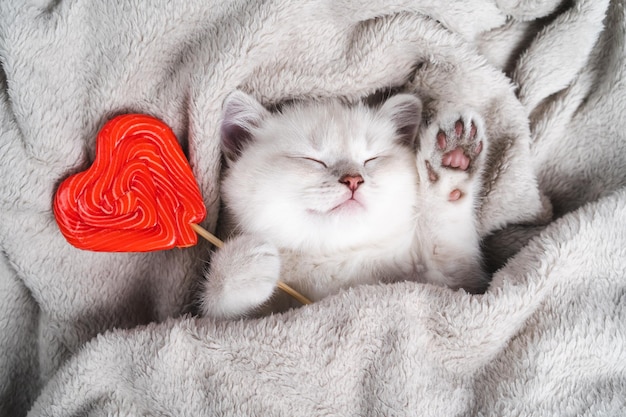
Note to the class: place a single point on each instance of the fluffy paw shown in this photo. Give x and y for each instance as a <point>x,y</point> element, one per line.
<point>242,277</point>
<point>452,153</point>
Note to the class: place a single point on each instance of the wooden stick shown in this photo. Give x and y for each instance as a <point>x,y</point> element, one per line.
<point>295,294</point>
<point>218,243</point>
<point>207,235</point>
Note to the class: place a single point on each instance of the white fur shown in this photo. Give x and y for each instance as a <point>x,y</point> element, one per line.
<point>241,286</point>
<point>282,187</point>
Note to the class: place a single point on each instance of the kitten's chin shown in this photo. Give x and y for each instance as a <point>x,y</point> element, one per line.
<point>347,227</point>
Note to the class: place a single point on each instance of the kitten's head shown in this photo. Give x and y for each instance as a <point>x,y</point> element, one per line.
<point>321,175</point>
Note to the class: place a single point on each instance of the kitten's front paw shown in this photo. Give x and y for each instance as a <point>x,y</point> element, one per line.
<point>452,153</point>
<point>242,277</point>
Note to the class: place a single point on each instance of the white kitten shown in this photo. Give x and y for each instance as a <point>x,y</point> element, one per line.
<point>325,196</point>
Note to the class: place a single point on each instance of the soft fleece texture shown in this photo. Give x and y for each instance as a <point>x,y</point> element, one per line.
<point>546,339</point>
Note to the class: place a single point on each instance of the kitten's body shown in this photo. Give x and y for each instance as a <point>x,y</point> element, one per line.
<point>325,196</point>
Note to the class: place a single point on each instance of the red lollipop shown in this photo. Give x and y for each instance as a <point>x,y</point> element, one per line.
<point>139,194</point>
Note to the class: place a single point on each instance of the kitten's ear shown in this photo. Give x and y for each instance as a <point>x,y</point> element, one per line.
<point>240,114</point>
<point>405,110</point>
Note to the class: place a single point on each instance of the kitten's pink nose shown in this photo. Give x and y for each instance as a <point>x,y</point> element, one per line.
<point>352,181</point>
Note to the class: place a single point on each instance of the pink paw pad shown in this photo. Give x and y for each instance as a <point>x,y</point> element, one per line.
<point>457,158</point>
<point>455,195</point>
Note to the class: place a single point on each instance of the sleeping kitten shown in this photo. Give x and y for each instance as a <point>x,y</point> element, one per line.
<point>325,196</point>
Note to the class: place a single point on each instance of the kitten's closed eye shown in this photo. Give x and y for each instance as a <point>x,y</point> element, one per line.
<point>313,160</point>
<point>377,161</point>
<point>368,161</point>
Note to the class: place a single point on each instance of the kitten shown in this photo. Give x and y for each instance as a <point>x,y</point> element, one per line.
<point>325,196</point>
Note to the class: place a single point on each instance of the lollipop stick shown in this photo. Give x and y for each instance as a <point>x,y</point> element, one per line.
<point>218,243</point>
<point>207,235</point>
<point>295,294</point>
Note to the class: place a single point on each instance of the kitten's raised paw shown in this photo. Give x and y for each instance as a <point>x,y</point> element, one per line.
<point>242,277</point>
<point>453,152</point>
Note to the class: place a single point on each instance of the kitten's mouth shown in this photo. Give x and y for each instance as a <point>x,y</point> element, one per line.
<point>350,204</point>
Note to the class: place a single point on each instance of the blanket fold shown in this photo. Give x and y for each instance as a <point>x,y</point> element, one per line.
<point>545,339</point>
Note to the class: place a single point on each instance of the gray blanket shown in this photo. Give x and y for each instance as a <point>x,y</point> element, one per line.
<point>85,333</point>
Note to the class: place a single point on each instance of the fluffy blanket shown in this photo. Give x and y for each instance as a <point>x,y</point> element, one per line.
<point>85,333</point>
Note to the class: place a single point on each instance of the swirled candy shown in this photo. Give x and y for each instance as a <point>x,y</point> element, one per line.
<point>139,194</point>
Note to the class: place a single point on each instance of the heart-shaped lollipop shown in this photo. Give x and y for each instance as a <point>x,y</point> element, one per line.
<point>138,195</point>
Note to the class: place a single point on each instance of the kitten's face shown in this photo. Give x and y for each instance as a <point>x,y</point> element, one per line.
<point>320,175</point>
